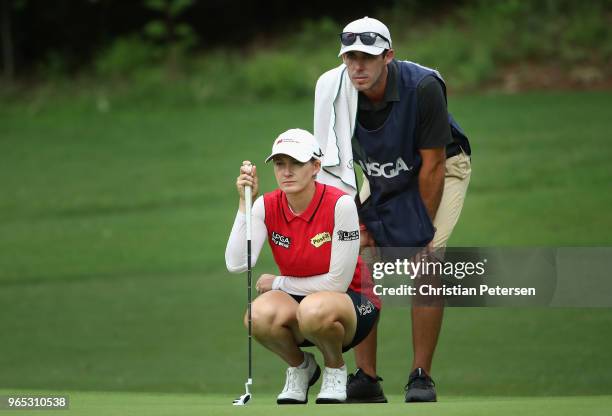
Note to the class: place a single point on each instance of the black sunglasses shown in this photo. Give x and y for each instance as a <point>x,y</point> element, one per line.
<point>367,38</point>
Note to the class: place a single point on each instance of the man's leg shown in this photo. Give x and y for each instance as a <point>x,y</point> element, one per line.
<point>365,353</point>
<point>329,320</point>
<point>364,386</point>
<point>426,324</point>
<point>456,181</point>
<point>427,320</point>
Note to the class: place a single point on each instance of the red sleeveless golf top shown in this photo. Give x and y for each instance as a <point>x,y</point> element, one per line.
<point>301,244</point>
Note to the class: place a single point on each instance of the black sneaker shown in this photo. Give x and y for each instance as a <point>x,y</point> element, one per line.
<point>361,388</point>
<point>420,387</point>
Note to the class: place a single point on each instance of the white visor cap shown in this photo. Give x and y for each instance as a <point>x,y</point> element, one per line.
<point>297,143</point>
<point>367,24</point>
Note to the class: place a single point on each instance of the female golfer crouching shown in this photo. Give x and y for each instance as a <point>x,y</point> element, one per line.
<point>322,296</point>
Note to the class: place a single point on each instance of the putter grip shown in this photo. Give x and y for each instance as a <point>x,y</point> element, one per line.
<point>249,202</point>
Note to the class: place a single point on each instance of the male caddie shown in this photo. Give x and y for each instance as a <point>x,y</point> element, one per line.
<point>391,118</point>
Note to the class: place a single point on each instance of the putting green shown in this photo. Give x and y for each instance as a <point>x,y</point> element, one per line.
<point>113,228</point>
<point>112,403</point>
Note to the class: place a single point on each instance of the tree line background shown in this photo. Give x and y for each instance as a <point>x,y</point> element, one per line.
<point>277,48</point>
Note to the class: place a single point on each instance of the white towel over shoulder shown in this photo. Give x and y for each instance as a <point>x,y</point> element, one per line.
<point>335,111</point>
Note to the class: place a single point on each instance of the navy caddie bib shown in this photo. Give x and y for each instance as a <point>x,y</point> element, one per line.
<point>395,214</point>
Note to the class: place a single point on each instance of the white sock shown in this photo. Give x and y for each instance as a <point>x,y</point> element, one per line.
<point>304,364</point>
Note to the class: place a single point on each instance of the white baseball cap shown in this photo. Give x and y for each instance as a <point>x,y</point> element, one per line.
<point>367,25</point>
<point>297,143</point>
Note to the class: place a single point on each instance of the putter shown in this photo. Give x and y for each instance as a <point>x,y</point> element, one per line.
<point>242,400</point>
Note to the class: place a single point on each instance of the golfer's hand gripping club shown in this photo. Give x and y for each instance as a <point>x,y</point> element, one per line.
<point>247,180</point>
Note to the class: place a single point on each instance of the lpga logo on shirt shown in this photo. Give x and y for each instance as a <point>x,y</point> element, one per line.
<point>348,235</point>
<point>280,240</point>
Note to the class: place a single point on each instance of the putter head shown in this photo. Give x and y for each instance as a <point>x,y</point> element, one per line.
<point>242,400</point>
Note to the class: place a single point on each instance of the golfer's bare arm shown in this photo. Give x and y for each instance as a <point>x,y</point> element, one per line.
<point>235,251</point>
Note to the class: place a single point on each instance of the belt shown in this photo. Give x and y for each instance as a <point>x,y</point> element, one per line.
<point>452,149</point>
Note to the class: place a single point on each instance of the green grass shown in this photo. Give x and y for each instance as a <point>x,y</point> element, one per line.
<point>109,403</point>
<point>113,227</point>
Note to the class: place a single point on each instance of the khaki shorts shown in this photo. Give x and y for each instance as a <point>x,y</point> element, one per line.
<point>456,181</point>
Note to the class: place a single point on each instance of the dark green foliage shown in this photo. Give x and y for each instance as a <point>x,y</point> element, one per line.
<point>469,47</point>
<point>126,58</point>
<point>473,44</point>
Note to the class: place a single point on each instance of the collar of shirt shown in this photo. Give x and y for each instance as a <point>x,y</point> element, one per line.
<point>391,91</point>
<point>312,207</point>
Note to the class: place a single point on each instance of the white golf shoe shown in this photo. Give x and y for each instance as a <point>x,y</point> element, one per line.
<point>299,381</point>
<point>333,388</point>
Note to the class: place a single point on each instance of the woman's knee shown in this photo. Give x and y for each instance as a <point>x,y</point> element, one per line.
<point>262,316</point>
<point>315,313</point>
<point>266,315</point>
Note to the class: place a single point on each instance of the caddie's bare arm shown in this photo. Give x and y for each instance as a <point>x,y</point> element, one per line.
<point>431,178</point>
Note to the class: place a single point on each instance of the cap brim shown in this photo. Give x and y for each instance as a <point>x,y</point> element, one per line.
<point>299,157</point>
<point>369,49</point>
